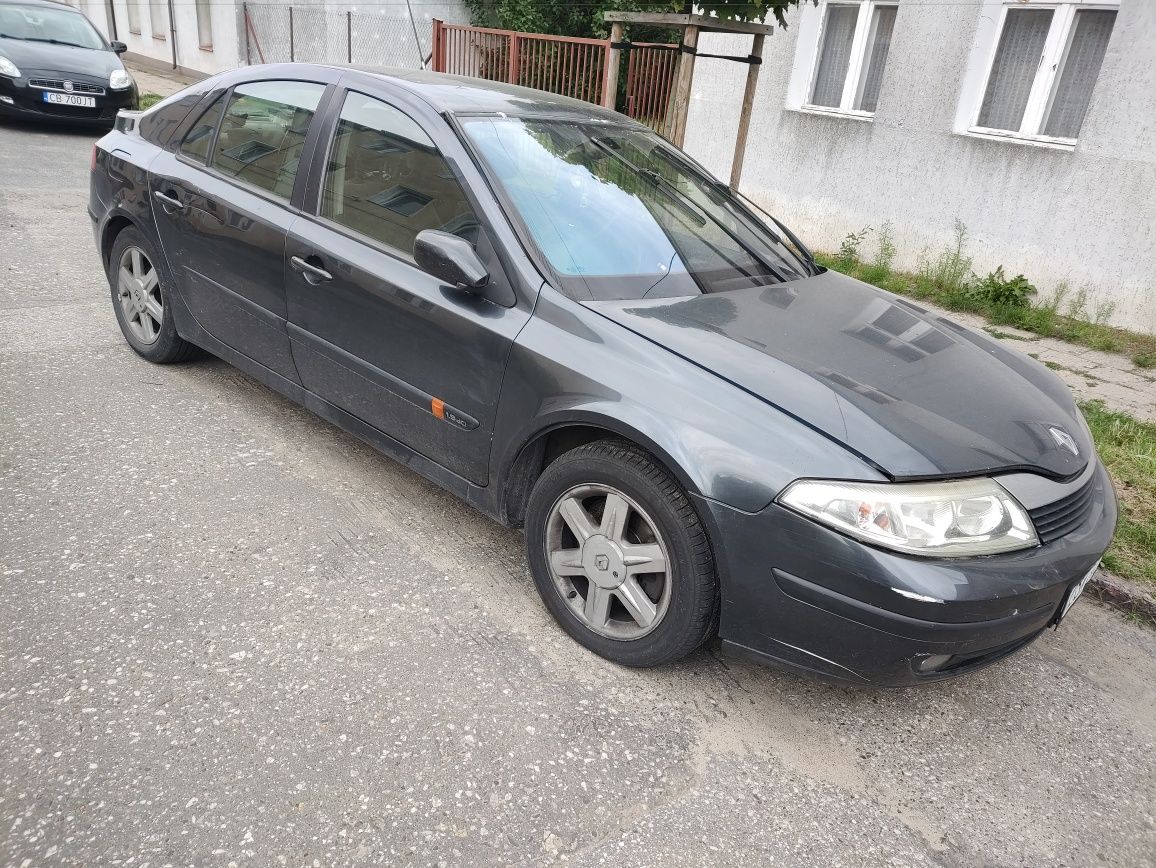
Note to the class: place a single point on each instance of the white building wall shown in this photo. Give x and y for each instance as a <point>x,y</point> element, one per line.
<point>382,33</point>
<point>1086,216</point>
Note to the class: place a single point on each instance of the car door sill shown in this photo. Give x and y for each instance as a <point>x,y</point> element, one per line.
<point>478,496</point>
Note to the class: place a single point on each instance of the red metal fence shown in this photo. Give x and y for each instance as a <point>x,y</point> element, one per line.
<point>562,64</point>
<point>568,65</point>
<point>649,77</point>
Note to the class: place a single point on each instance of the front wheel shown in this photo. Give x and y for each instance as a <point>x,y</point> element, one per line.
<point>619,555</point>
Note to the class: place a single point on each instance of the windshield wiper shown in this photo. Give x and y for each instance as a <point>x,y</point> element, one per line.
<point>52,41</point>
<point>688,203</point>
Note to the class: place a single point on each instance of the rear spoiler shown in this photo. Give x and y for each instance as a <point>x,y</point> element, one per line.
<point>126,120</point>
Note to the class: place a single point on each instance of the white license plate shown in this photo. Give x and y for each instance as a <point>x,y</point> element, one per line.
<point>71,99</point>
<point>1074,593</point>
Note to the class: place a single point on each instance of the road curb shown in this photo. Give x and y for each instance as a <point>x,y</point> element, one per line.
<point>1125,596</point>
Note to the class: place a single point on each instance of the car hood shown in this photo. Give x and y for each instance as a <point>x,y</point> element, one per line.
<point>916,395</point>
<point>44,57</point>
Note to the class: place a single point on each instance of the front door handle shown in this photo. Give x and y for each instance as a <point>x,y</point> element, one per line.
<point>309,270</point>
<point>170,201</point>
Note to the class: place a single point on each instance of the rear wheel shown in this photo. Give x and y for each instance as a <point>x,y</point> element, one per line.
<point>619,555</point>
<point>140,297</point>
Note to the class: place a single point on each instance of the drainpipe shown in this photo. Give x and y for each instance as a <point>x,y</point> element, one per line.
<point>172,32</point>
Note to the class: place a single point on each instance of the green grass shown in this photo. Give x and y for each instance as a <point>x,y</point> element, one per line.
<point>148,100</point>
<point>1128,448</point>
<point>1043,318</point>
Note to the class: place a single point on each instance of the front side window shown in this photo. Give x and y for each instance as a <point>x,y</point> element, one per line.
<point>1043,70</point>
<point>854,40</point>
<point>263,131</point>
<point>386,179</point>
<point>621,215</point>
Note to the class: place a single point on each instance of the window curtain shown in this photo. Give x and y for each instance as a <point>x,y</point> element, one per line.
<point>1089,42</point>
<point>882,25</point>
<point>1017,59</point>
<point>834,55</point>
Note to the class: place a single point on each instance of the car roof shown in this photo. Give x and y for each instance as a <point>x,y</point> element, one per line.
<point>459,94</point>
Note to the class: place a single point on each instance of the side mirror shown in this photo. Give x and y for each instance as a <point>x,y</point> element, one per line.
<point>450,258</point>
<point>118,47</point>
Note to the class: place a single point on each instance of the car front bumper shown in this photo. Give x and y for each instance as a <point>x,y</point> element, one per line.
<point>18,99</point>
<point>799,595</point>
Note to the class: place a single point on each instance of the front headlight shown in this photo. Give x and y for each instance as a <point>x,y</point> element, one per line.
<point>119,80</point>
<point>936,519</point>
<point>8,68</point>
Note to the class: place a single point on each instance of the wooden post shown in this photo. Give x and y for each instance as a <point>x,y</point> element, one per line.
<point>438,60</point>
<point>292,49</point>
<point>348,36</point>
<point>745,112</point>
<point>610,74</point>
<point>683,77</point>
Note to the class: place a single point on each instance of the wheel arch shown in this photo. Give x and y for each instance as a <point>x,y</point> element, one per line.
<point>552,440</point>
<point>116,224</point>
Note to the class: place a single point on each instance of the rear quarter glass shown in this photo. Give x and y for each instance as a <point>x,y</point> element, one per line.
<point>158,124</point>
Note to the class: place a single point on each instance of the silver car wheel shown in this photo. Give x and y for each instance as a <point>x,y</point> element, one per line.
<point>608,561</point>
<point>138,286</point>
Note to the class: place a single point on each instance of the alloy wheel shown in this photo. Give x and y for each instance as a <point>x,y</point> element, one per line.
<point>608,561</point>
<point>138,286</point>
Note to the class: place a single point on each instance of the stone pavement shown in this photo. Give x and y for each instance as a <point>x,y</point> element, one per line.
<point>149,80</point>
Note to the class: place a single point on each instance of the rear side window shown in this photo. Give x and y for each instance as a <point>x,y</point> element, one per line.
<point>200,137</point>
<point>387,181</point>
<point>263,131</point>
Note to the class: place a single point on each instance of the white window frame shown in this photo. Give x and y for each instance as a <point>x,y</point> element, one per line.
<point>994,14</point>
<point>809,50</point>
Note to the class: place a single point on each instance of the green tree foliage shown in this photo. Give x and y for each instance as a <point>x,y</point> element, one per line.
<point>584,17</point>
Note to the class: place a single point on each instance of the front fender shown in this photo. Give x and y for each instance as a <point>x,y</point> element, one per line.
<point>572,366</point>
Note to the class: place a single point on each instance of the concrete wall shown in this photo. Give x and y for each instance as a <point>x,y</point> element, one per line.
<point>382,33</point>
<point>1086,216</point>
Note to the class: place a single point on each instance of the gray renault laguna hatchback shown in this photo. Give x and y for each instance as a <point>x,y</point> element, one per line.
<point>552,312</point>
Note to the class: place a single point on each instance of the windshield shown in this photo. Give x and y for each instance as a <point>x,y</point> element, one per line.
<point>621,215</point>
<point>44,24</point>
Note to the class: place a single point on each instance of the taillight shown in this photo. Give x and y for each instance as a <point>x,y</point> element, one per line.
<point>92,166</point>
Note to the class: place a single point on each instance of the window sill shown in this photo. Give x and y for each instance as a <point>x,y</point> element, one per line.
<point>208,48</point>
<point>134,32</point>
<point>1068,145</point>
<point>823,111</point>
<point>160,38</point>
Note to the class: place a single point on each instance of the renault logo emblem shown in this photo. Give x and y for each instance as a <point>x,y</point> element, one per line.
<point>1064,440</point>
<point>602,562</point>
<point>68,86</point>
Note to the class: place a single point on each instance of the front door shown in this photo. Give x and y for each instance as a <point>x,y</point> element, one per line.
<point>370,331</point>
<point>222,209</point>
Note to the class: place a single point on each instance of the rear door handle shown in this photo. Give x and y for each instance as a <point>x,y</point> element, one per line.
<point>170,201</point>
<point>308,269</point>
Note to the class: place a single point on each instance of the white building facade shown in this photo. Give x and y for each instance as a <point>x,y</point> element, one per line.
<point>1032,123</point>
<point>202,37</point>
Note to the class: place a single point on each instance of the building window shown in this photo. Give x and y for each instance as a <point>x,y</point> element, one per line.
<point>159,18</point>
<point>204,24</point>
<point>850,56</point>
<point>1042,70</point>
<point>133,16</point>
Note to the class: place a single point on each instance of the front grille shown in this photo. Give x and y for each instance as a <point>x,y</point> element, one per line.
<point>57,84</point>
<point>1064,515</point>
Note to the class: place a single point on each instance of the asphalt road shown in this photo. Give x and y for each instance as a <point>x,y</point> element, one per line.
<point>232,634</point>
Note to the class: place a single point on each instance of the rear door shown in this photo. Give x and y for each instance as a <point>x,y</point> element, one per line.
<point>371,332</point>
<point>223,204</point>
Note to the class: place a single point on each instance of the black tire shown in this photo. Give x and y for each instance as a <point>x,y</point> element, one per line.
<point>691,613</point>
<point>168,347</point>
